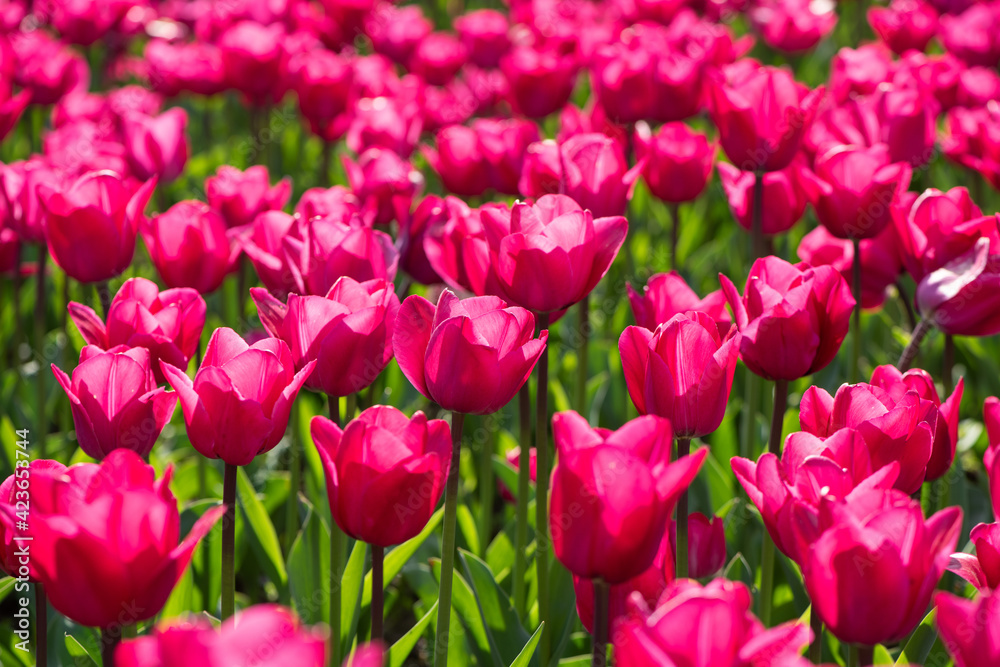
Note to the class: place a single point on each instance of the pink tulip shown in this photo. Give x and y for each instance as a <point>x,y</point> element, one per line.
<point>384,122</point>
<point>503,144</point>
<point>321,202</point>
<point>382,463</point>
<point>970,629</point>
<point>981,569</point>
<point>11,109</point>
<point>960,298</point>
<point>792,25</point>
<point>666,295</point>
<point>904,24</point>
<point>264,243</point>
<point>792,318</point>
<point>540,80</point>
<point>484,34</point>
<point>553,242</point>
<point>977,87</point>
<point>157,146</point>
<point>706,545</point>
<point>859,71</point>
<point>880,263</point>
<point>239,402</point>
<point>18,487</point>
<point>47,67</point>
<point>189,246</point>
<point>907,118</point>
<point>438,57</point>
<point>971,140</point>
<point>851,122</point>
<point>240,196</point>
<point>710,625</point>
<point>264,635</point>
<point>384,183</point>
<point>20,183</point>
<point>396,31</point>
<point>322,82</point>
<point>678,162</point>
<point>623,80</point>
<point>106,539</point>
<point>974,35</point>
<point>786,193</point>
<point>612,494</point>
<point>459,161</point>
<point>255,61</point>
<point>683,371</point>
<point>457,248</point>
<point>91,225</point>
<point>468,355</point>
<point>184,67</point>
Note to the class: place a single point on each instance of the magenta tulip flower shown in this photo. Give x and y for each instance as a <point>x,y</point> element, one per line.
<point>706,545</point>
<point>348,332</point>
<point>157,145</point>
<point>438,57</point>
<point>792,26</point>
<point>880,262</point>
<point>973,35</point>
<point>190,247</point>
<point>396,31</point>
<point>904,24</point>
<point>255,61</point>
<point>666,295</point>
<point>457,249</point>
<point>855,73</point>
<point>786,193</point>
<point>540,80</point>
<point>323,83</point>
<point>20,182</point>
<point>240,196</point>
<point>683,371</point>
<point>678,162</point>
<point>459,161</point>
<point>18,486</point>
<point>384,473</point>
<point>239,402</point>
<point>961,298</point>
<point>484,32</point>
<point>907,117</point>
<point>612,494</point>
<point>971,140</point>
<point>970,629</point>
<point>981,569</point>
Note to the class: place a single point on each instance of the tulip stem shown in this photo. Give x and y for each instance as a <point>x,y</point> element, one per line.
<point>229,542</point>
<point>860,656</point>
<point>18,281</point>
<point>904,298</point>
<point>109,643</point>
<point>766,579</point>
<point>378,596</point>
<point>104,295</point>
<point>324,164</point>
<point>681,558</point>
<point>542,495</point>
<point>294,482</point>
<point>40,302</point>
<point>486,484</point>
<point>910,353</point>
<point>448,543</point>
<point>949,363</point>
<point>816,647</point>
<point>41,625</point>
<point>778,416</point>
<point>749,417</point>
<point>757,224</point>
<point>675,232</point>
<point>336,578</point>
<point>602,597</point>
<point>521,509</point>
<point>582,371</point>
<point>856,335</point>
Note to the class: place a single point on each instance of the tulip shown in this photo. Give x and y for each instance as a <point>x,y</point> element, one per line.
<point>490,350</point>
<point>786,193</point>
<point>384,182</point>
<point>792,25</point>
<point>858,71</point>
<point>47,68</point>
<point>904,24</point>
<point>255,61</point>
<point>91,225</point>
<point>20,182</point>
<point>264,244</point>
<point>707,545</point>
<point>381,462</point>
<point>396,31</point>
<point>266,636</point>
<point>612,493</point>
<point>553,242</point>
<point>84,23</point>
<point>83,146</point>
<point>710,625</point>
<point>115,401</point>
<point>459,161</point>
<point>97,576</point>
<point>666,295</point>
<point>939,74</point>
<point>596,174</point>
<point>348,332</point>
<point>792,319</point>
<point>540,80</point>
<point>239,402</point>
<point>18,486</point>
<point>857,189</point>
<point>484,34</point>
<point>897,423</point>
<point>11,110</point>
<point>970,629</point>
<point>438,57</point>
<point>320,202</point>
<point>457,249</point>
<point>157,146</point>
<point>871,574</point>
<point>623,80</point>
<point>384,122</point>
<point>960,297</point>
<point>971,140</point>
<point>678,162</point>
<point>974,35</point>
<point>168,324</point>
<point>880,263</point>
<point>683,371</point>
<point>852,121</point>
<point>189,246</point>
<point>977,87</point>
<point>177,67</point>
<point>240,196</point>
<point>678,84</point>
<point>982,570</point>
<point>322,82</point>
<point>762,114</point>
<point>907,118</point>
<point>503,144</point>
<point>514,458</point>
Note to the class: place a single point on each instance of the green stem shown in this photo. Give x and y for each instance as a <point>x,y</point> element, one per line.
<point>853,660</point>
<point>582,370</point>
<point>757,223</point>
<point>336,563</point>
<point>949,364</point>
<point>351,408</point>
<point>904,299</point>
<point>229,542</point>
<point>486,485</point>
<point>681,559</point>
<point>816,647</point>
<point>109,643</point>
<point>856,334</point>
<point>324,168</point>
<point>749,417</point>
<point>766,579</point>
<point>40,301</point>
<point>521,509</point>
<point>448,544</point>
<point>41,625</point>
<point>602,596</point>
<point>378,597</point>
<point>104,294</point>
<point>778,416</point>
<point>675,232</point>
<point>542,496</point>
<point>910,353</point>
<point>18,281</point>
<point>295,481</point>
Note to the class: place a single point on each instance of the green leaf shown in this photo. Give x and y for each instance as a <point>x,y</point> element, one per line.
<point>79,654</point>
<point>265,537</point>
<point>6,586</point>
<point>920,643</point>
<point>465,609</point>
<point>881,656</point>
<point>350,592</point>
<point>503,629</point>
<point>401,650</point>
<point>398,556</point>
<point>507,474</point>
<point>467,526</point>
<point>309,571</point>
<point>524,658</point>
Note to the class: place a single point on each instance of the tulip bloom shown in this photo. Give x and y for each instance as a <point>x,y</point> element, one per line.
<point>484,34</point>
<point>457,249</point>
<point>706,545</point>
<point>438,57</point>
<point>459,161</point>
<point>871,574</point>
<point>540,80</point>
<point>792,319</point>
<point>982,570</point>
<point>710,625</point>
<point>792,26</point>
<point>503,143</point>
<point>762,114</point>
<point>189,246</point>
<point>683,371</point>
<point>17,487</point>
<point>786,193</point>
<point>91,225</point>
<point>678,162</point>
<point>348,332</point>
<point>553,242</point>
<point>91,571</point>
<point>167,323</point>
<point>880,263</point>
<point>255,61</point>
<point>157,145</point>
<point>396,31</point>
<point>20,182</point>
<point>904,24</point>
<point>430,212</point>
<point>856,72</point>
<point>971,140</point>
<point>907,117</point>
<point>960,298</point>
<point>239,402</point>
<point>322,81</point>
<point>970,629</point>
<point>264,635</point>
<point>469,355</point>
<point>974,35</point>
<point>240,196</point>
<point>384,473</point>
<point>612,494</point>
<point>384,183</point>
<point>666,295</point>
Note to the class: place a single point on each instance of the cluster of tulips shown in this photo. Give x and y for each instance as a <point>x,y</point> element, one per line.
<point>498,168</point>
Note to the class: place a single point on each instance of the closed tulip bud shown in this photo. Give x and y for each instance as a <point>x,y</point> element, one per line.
<point>190,247</point>
<point>971,140</point>
<point>871,574</point>
<point>240,196</point>
<point>540,80</point>
<point>786,193</point>
<point>908,123</point>
<point>552,242</point>
<point>960,298</point>
<point>115,401</point>
<point>484,34</point>
<point>20,182</point>
<point>91,225</point>
<point>385,184</point>
<point>385,122</point>
<point>322,82</point>
<point>762,114</point>
<point>384,473</point>
<point>47,67</point>
<point>612,494</point>
<point>858,71</point>
<point>92,574</point>
<point>239,402</point>
<point>459,161</point>
<point>973,35</point>
<point>904,24</point>
<point>396,31</point>
<point>981,569</point>
<point>792,318</point>
<point>348,332</point>
<point>792,26</point>
<point>880,263</point>
<point>265,634</point>
<point>683,371</point>
<point>597,175</point>
<point>503,143</point>
<point>623,77</point>
<point>970,629</point>
<point>679,85</point>
<point>18,486</point>
<point>710,625</point>
<point>666,295</point>
<point>179,67</point>
<point>438,57</point>
<point>157,145</point>
<point>264,243</point>
<point>706,545</point>
<point>977,87</point>
<point>467,355</point>
<point>457,248</point>
<point>255,61</point>
<point>678,162</point>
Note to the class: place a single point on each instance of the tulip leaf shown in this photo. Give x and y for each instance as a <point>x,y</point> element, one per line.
<point>81,656</point>
<point>576,661</point>
<point>503,629</point>
<point>309,571</point>
<point>524,658</point>
<point>507,474</point>
<point>921,642</point>
<point>265,537</point>
<point>350,592</point>
<point>398,557</point>
<point>467,525</point>
<point>881,656</point>
<point>6,586</point>
<point>401,650</point>
<point>465,608</point>
<point>562,598</point>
